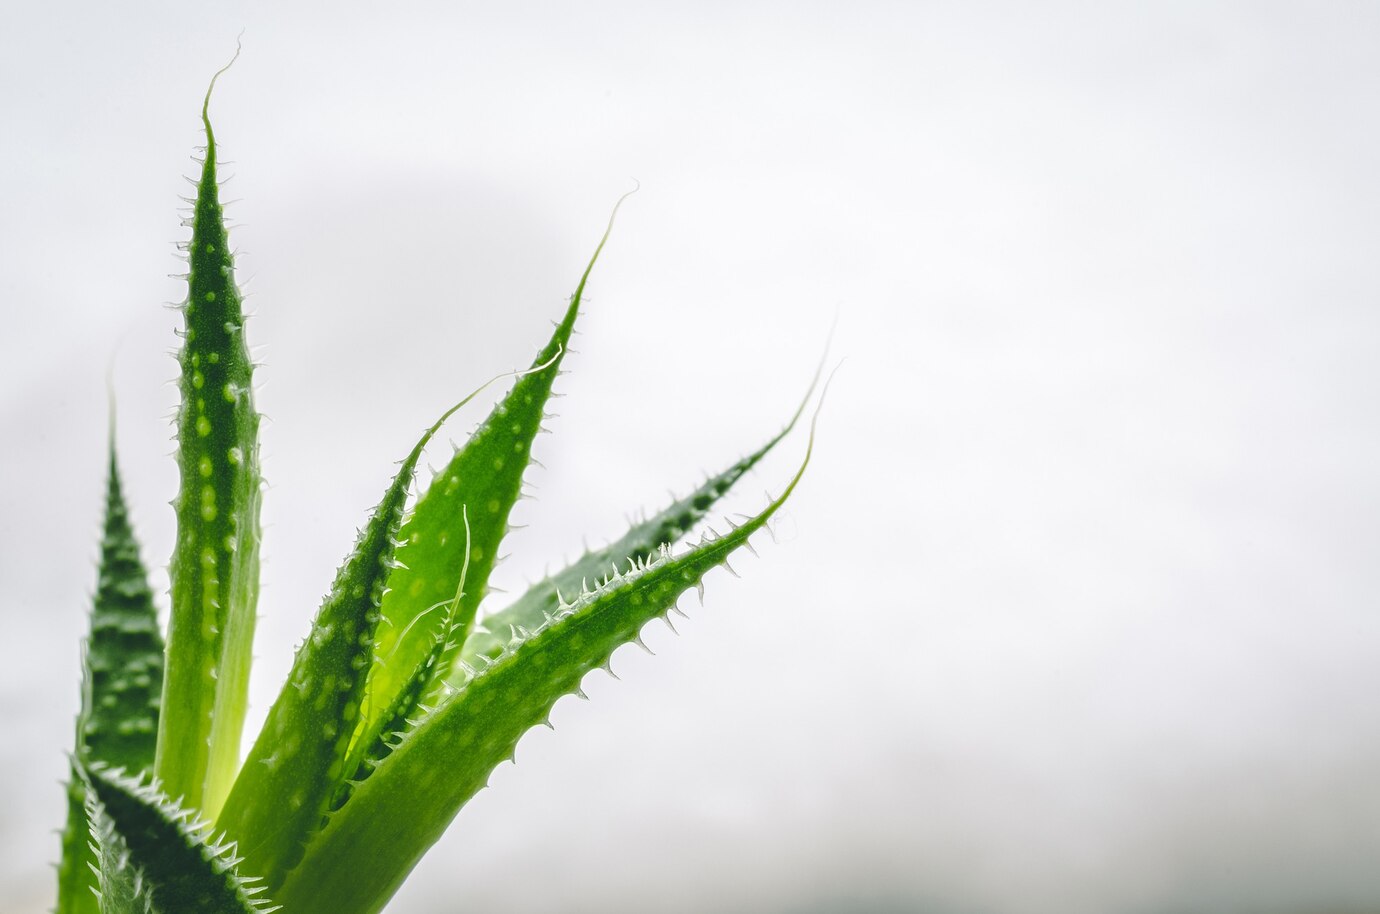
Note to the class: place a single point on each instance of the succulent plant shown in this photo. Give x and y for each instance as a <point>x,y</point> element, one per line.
<point>401,699</point>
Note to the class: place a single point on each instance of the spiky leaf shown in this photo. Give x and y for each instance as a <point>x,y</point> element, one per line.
<point>371,746</point>
<point>641,541</point>
<point>120,887</point>
<point>215,563</point>
<point>485,474</point>
<point>154,857</point>
<point>124,654</point>
<point>74,869</point>
<point>370,845</point>
<point>299,758</point>
<point>121,684</point>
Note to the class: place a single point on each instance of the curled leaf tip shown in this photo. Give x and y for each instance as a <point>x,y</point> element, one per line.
<point>206,102</point>
<point>810,442</point>
<point>599,248</point>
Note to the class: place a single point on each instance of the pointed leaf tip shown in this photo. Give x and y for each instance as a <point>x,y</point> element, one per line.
<point>487,473</point>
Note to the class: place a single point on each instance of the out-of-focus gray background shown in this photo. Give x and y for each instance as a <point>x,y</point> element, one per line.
<point>1075,610</point>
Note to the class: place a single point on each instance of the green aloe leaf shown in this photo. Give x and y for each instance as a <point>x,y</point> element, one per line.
<point>121,683</point>
<point>298,761</point>
<point>124,654</point>
<point>642,540</point>
<point>154,855</point>
<point>370,845</point>
<point>215,563</point>
<point>76,878</point>
<point>486,475</point>
<point>372,746</point>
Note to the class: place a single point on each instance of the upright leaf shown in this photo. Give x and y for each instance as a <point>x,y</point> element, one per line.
<point>370,845</point>
<point>124,654</point>
<point>121,683</point>
<point>155,858</point>
<point>486,474</point>
<point>74,869</point>
<point>298,760</point>
<point>215,563</point>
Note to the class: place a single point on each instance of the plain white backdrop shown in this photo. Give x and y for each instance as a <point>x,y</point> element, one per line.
<point>1075,610</point>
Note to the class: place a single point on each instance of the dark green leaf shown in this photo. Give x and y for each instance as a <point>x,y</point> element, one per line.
<point>121,684</point>
<point>155,857</point>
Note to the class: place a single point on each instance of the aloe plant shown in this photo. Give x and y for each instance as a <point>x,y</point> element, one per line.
<point>401,699</point>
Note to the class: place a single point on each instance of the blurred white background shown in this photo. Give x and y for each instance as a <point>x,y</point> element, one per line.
<point>1075,610</point>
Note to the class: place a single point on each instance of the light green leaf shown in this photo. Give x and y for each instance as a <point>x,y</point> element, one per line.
<point>370,747</point>
<point>76,878</point>
<point>215,563</point>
